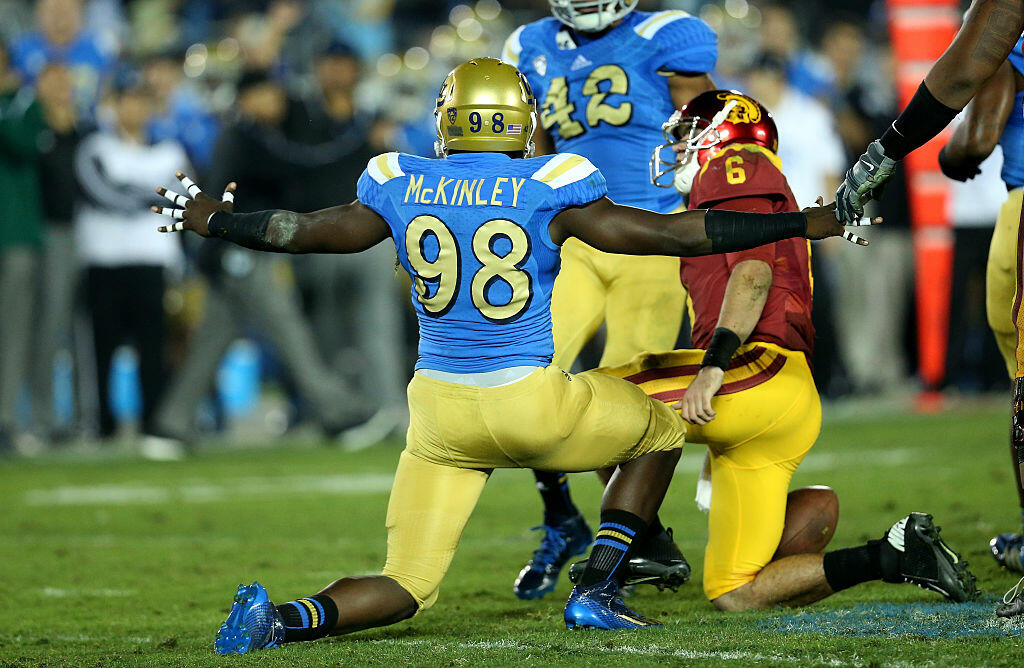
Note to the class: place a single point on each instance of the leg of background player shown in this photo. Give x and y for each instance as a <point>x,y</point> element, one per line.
<point>577,309</point>
<point>631,500</point>
<point>1006,547</point>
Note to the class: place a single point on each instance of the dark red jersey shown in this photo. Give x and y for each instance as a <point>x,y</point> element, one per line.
<point>747,177</point>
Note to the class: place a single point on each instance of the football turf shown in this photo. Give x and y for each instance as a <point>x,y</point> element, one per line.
<point>112,561</point>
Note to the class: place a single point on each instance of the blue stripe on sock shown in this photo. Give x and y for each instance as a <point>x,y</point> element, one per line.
<point>319,609</point>
<point>616,566</point>
<point>618,527</point>
<point>303,614</point>
<point>611,543</point>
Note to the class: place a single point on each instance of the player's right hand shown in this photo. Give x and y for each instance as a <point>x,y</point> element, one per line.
<point>864,181</point>
<point>196,209</point>
<point>822,224</point>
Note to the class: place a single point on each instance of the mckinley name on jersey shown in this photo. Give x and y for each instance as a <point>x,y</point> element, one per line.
<point>606,97</point>
<point>472,232</point>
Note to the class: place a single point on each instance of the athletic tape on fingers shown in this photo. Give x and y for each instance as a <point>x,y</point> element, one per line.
<point>177,214</point>
<point>190,186</point>
<point>852,238</point>
<point>179,200</point>
<point>228,196</point>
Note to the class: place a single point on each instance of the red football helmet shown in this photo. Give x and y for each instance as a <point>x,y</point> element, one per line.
<point>709,122</point>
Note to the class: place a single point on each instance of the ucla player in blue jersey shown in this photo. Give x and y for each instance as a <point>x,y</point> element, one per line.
<point>606,77</point>
<point>479,233</point>
<point>996,116</point>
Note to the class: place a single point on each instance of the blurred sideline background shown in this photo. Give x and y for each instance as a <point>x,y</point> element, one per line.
<point>112,336</point>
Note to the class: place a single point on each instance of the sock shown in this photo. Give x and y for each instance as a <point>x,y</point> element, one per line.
<point>853,565</point>
<point>554,491</point>
<point>608,557</point>
<point>308,618</point>
<point>654,529</point>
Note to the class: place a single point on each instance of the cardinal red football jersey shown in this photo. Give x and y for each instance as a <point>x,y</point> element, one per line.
<point>746,177</point>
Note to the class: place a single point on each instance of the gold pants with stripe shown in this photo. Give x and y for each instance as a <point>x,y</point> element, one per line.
<point>639,299</point>
<point>551,420</point>
<point>1001,281</point>
<point>768,417</point>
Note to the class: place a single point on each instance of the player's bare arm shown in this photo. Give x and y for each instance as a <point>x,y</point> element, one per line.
<point>614,228</point>
<point>685,86</point>
<point>348,228</point>
<point>984,121</point>
<point>745,296</point>
<point>989,31</point>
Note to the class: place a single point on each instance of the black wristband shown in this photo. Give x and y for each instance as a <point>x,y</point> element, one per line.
<point>923,118</point>
<point>244,229</point>
<point>724,343</point>
<point>732,231</point>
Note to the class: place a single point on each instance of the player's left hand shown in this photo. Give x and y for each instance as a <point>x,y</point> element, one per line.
<point>695,406</point>
<point>196,209</point>
<point>864,181</point>
<point>822,224</point>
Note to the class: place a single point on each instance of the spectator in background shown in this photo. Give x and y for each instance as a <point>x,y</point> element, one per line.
<point>181,114</point>
<point>337,145</point>
<point>809,144</point>
<point>125,261</point>
<point>875,286</point>
<point>60,39</point>
<point>813,159</point>
<point>245,286</point>
<point>21,236</point>
<point>59,276</point>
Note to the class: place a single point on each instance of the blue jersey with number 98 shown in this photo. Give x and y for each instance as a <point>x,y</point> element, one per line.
<point>472,232</point>
<point>606,98</point>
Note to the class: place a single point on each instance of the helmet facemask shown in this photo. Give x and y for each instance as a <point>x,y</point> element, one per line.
<point>694,134</point>
<point>590,15</point>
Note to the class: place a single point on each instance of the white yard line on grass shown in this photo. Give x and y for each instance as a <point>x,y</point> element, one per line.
<point>129,494</point>
<point>54,592</point>
<point>207,491</point>
<point>655,651</point>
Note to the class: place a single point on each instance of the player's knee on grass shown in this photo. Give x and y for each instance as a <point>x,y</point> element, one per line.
<point>739,599</point>
<point>422,590</point>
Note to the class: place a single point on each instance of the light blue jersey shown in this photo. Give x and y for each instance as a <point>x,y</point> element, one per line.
<point>606,98</point>
<point>472,232</point>
<point>1012,139</point>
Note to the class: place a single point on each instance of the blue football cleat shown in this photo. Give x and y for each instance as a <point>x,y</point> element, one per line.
<point>561,542</point>
<point>252,624</point>
<point>599,607</point>
<point>1006,550</point>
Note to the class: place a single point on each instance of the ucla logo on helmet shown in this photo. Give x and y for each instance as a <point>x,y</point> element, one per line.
<point>453,113</point>
<point>745,110</point>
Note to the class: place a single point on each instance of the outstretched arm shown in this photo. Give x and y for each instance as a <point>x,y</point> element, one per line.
<point>988,34</point>
<point>614,228</point>
<point>981,46</point>
<point>984,121</point>
<point>348,228</point>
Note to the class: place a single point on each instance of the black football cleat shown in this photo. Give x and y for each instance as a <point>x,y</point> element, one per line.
<point>1013,601</point>
<point>659,562</point>
<point>922,558</point>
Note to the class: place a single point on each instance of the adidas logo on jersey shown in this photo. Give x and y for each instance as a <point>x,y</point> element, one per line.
<point>580,63</point>
<point>540,63</point>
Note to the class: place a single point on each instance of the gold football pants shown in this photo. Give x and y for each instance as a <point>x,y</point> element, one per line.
<point>1001,281</point>
<point>551,420</point>
<point>768,417</point>
<point>639,299</point>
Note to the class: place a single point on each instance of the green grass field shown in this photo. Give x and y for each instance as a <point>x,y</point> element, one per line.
<point>108,561</point>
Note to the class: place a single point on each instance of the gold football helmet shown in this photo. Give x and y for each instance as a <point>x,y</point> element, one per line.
<point>485,105</point>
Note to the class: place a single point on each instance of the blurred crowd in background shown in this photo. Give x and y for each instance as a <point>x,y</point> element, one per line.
<point>106,323</point>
